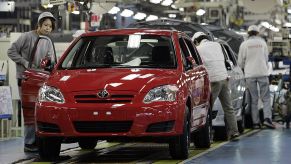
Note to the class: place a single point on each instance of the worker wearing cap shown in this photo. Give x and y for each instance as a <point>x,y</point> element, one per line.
<point>213,59</point>
<point>20,52</point>
<point>253,59</point>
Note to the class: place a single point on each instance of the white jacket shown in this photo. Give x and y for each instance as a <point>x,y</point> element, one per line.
<point>213,59</point>
<point>253,57</point>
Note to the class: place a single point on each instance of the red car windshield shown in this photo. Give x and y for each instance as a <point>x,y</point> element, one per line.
<point>138,51</point>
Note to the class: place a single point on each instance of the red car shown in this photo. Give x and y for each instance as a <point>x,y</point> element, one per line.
<point>126,84</point>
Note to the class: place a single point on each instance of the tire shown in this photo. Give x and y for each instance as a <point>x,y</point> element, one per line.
<point>202,138</point>
<point>179,146</point>
<point>87,143</point>
<point>49,148</point>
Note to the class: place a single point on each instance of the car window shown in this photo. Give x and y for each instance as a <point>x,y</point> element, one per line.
<point>234,40</point>
<point>142,51</point>
<point>185,54</point>
<point>224,52</point>
<point>193,51</point>
<point>44,48</point>
<point>230,54</point>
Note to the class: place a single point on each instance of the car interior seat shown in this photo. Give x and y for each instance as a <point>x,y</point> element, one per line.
<point>108,55</point>
<point>161,55</point>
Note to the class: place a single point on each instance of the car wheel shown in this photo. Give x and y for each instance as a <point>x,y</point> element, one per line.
<point>179,146</point>
<point>202,138</point>
<point>49,147</point>
<point>87,143</point>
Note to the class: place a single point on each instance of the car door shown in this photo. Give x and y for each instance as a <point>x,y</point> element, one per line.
<point>236,78</point>
<point>36,74</point>
<point>203,79</point>
<point>195,84</point>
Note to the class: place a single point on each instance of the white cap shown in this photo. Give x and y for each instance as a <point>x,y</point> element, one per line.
<point>78,33</point>
<point>253,28</point>
<point>197,35</point>
<point>46,15</point>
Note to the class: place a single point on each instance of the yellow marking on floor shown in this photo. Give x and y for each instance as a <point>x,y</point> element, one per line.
<point>197,152</point>
<point>167,162</point>
<point>218,144</point>
<point>193,152</point>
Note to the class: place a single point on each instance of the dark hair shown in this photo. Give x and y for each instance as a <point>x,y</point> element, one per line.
<point>253,33</point>
<point>200,38</point>
<point>40,22</point>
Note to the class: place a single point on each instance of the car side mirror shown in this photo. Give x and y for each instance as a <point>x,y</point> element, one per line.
<point>229,65</point>
<point>46,64</point>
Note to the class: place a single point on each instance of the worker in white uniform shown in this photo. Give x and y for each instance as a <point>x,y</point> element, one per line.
<point>253,59</point>
<point>213,59</point>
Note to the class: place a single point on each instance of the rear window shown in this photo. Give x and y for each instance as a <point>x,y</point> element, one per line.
<point>138,51</point>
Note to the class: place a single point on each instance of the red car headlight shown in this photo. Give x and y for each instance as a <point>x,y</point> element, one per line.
<point>161,93</point>
<point>50,94</point>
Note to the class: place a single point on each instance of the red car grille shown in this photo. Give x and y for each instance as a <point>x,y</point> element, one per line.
<point>91,98</point>
<point>102,126</point>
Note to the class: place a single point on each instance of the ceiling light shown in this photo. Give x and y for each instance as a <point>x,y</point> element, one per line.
<point>114,10</point>
<point>174,6</point>
<point>155,1</point>
<point>126,13</point>
<point>151,17</point>
<point>167,2</point>
<point>172,15</point>
<point>200,12</point>
<point>139,16</point>
<point>76,12</point>
<point>50,5</point>
<point>47,6</point>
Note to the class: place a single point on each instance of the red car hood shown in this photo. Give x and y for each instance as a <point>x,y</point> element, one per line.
<point>110,79</point>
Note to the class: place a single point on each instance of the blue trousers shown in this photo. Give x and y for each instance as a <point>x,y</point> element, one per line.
<point>264,93</point>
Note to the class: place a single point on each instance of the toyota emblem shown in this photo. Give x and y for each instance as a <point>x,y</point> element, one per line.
<point>103,94</point>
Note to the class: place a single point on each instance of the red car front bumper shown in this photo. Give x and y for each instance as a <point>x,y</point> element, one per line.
<point>105,120</point>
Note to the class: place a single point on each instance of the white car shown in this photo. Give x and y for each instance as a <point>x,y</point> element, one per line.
<point>238,95</point>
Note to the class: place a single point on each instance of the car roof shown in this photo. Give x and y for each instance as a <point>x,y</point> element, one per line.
<point>187,27</point>
<point>233,39</point>
<point>129,31</point>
